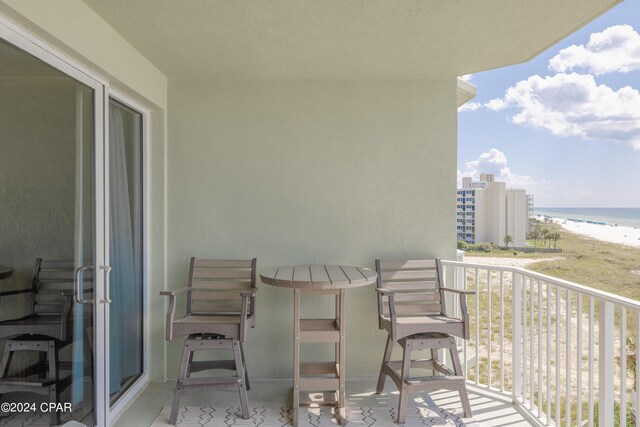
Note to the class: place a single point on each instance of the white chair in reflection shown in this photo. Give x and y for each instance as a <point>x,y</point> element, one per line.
<point>47,329</point>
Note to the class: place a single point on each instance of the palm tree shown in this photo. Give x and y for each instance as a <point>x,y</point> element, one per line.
<point>544,234</point>
<point>507,239</point>
<point>555,236</point>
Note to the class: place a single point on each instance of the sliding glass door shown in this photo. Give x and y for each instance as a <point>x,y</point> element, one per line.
<point>52,241</point>
<point>71,241</point>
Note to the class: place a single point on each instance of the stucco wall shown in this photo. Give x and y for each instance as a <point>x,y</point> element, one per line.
<point>307,171</point>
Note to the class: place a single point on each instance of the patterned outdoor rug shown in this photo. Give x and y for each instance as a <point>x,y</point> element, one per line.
<point>316,417</point>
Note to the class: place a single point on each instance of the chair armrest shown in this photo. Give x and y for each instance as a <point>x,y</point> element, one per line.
<point>463,306</point>
<point>458,291</point>
<point>249,293</point>
<point>171,309</point>
<point>244,311</point>
<point>175,292</point>
<point>392,308</point>
<point>15,292</point>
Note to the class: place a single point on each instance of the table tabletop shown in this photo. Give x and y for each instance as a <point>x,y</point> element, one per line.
<point>5,272</point>
<point>319,277</point>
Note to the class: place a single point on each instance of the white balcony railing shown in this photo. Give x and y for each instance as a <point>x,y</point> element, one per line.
<point>559,349</point>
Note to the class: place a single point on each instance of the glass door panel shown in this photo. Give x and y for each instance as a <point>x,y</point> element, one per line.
<point>48,240</point>
<point>125,248</point>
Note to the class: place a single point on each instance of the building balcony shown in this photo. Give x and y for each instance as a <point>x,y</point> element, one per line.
<point>543,351</point>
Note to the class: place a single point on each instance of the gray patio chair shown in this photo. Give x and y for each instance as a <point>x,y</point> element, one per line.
<point>220,307</point>
<point>411,308</point>
<point>47,329</point>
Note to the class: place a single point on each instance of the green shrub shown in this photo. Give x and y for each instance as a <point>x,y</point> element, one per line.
<point>478,247</point>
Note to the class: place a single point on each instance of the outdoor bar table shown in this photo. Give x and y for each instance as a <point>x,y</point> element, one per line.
<point>319,280</point>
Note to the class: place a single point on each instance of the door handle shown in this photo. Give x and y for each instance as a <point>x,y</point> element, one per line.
<point>79,294</point>
<point>107,270</point>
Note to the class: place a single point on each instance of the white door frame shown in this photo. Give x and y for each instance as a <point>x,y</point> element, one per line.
<point>30,44</point>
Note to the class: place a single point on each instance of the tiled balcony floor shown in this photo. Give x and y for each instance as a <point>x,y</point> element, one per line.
<point>488,409</point>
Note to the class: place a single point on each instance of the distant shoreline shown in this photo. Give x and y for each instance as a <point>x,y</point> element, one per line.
<point>627,217</point>
<point>598,230</point>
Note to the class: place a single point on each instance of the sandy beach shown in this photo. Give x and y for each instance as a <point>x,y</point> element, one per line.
<point>606,232</point>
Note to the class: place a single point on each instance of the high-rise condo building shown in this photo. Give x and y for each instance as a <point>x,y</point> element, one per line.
<point>487,211</point>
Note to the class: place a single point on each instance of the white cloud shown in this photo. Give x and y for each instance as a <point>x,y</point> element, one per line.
<point>495,162</point>
<point>494,105</point>
<point>470,106</point>
<point>492,161</point>
<point>616,49</point>
<point>574,105</point>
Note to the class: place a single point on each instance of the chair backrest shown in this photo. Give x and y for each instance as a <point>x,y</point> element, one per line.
<point>53,285</point>
<point>419,279</point>
<point>227,279</point>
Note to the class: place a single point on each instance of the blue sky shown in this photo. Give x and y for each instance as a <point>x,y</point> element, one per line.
<point>566,125</point>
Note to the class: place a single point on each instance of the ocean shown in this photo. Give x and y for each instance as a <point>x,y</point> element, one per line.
<point>626,217</point>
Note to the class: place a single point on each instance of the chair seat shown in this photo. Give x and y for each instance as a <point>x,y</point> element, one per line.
<point>410,325</point>
<point>232,319</point>
<point>47,325</point>
<point>227,325</point>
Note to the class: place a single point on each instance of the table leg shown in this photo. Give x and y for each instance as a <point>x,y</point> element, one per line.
<point>296,356</point>
<point>342,360</point>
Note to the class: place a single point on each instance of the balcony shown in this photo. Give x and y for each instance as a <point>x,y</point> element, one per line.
<point>543,351</point>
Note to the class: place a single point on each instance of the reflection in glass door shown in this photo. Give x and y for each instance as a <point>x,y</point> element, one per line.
<point>49,237</point>
<point>125,248</point>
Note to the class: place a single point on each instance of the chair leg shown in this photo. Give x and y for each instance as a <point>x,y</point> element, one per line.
<point>6,359</point>
<point>404,391</point>
<point>53,397</point>
<point>457,369</point>
<point>434,357</point>
<point>52,373</point>
<point>244,402</point>
<point>182,374</point>
<point>189,364</point>
<point>385,359</point>
<point>244,365</point>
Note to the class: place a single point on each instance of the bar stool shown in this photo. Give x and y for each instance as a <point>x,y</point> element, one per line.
<point>411,308</point>
<point>220,308</point>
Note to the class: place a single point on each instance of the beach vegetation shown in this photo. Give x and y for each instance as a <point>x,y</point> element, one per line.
<point>476,247</point>
<point>610,267</point>
<point>590,262</point>
<point>507,239</point>
<point>535,236</point>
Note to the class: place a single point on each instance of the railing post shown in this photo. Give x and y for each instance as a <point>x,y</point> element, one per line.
<point>605,363</point>
<point>516,353</point>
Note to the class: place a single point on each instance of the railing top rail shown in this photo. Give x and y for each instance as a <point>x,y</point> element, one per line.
<point>602,295</point>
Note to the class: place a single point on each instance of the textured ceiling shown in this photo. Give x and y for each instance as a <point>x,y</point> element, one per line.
<point>341,38</point>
